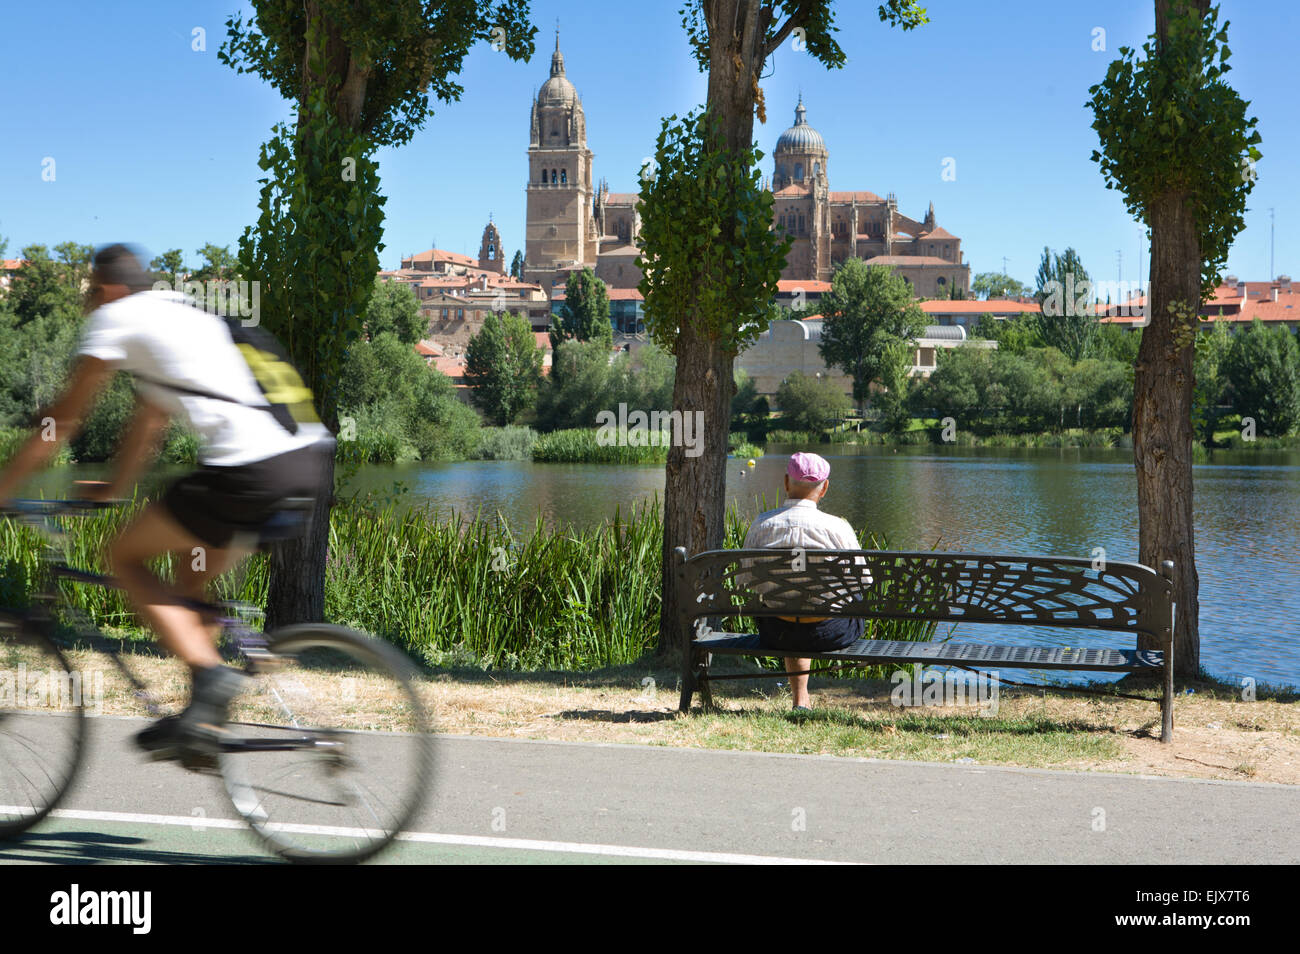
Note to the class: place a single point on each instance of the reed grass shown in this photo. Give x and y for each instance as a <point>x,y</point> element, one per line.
<point>581,446</point>
<point>450,589</point>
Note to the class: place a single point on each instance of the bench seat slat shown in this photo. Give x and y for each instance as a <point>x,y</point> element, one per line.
<point>980,655</point>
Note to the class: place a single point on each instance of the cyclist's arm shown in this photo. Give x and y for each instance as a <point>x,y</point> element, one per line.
<point>88,378</point>
<point>138,448</point>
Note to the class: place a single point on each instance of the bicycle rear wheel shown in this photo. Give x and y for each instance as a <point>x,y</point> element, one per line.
<point>331,755</point>
<point>42,725</point>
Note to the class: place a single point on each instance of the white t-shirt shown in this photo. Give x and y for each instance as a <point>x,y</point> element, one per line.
<point>158,335</point>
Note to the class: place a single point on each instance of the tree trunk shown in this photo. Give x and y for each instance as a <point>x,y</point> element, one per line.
<point>296,592</point>
<point>695,487</point>
<point>1162,418</point>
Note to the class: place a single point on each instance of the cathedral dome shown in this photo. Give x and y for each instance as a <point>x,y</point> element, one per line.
<point>800,137</point>
<point>557,91</point>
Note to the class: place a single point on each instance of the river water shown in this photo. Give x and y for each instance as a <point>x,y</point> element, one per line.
<point>1064,502</point>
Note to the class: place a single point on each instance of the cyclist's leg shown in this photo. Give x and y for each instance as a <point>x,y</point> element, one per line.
<point>180,629</point>
<point>194,571</point>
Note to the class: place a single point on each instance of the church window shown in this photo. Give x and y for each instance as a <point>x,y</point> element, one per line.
<point>941,280</point>
<point>798,170</point>
<point>817,168</point>
<point>801,224</point>
<point>543,177</point>
<point>564,176</point>
<point>492,252</point>
<point>552,177</point>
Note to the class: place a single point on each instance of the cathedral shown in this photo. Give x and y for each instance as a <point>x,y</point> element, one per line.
<point>575,222</point>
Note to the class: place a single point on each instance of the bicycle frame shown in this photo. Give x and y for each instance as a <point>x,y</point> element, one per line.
<point>231,615</point>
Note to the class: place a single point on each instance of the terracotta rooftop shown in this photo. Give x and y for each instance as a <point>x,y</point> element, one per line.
<point>971,306</point>
<point>793,284</point>
<point>622,198</point>
<point>938,233</point>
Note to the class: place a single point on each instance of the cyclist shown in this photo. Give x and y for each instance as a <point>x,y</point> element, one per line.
<point>186,364</point>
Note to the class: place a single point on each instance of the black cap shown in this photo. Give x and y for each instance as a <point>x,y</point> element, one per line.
<point>119,264</point>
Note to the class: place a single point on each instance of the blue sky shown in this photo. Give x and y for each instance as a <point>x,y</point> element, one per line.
<point>156,143</point>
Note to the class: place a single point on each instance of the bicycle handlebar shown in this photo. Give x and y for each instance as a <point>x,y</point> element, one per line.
<point>56,508</point>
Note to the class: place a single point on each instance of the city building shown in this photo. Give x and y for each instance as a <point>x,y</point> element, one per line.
<point>575,222</point>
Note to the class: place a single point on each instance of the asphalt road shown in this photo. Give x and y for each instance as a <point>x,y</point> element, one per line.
<point>516,801</point>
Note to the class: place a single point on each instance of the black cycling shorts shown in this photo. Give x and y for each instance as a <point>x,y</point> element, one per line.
<point>215,503</point>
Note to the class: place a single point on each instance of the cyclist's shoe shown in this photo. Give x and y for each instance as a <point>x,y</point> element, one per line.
<point>195,734</point>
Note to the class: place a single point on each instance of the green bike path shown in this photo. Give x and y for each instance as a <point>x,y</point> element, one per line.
<point>510,801</point>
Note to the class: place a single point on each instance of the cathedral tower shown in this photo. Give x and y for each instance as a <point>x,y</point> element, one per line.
<point>560,229</point>
<point>489,250</point>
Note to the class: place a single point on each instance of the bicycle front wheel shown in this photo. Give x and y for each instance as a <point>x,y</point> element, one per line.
<point>331,753</point>
<point>42,724</point>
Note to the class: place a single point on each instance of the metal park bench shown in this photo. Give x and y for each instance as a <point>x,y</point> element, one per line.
<point>931,587</point>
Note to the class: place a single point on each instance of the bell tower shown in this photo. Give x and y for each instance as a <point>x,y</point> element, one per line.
<point>560,230</point>
<point>489,250</point>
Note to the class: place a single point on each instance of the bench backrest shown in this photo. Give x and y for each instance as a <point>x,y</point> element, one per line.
<point>942,587</point>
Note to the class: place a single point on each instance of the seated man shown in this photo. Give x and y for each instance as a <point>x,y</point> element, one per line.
<point>798,523</point>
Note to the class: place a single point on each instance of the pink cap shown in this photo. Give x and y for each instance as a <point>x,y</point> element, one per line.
<point>808,468</point>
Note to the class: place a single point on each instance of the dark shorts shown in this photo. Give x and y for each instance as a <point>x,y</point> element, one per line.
<point>774,633</point>
<point>215,503</point>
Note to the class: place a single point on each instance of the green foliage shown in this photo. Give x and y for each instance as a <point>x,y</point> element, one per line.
<point>809,403</point>
<point>988,392</point>
<point>315,245</point>
<point>1170,123</point>
<point>517,266</point>
<point>1117,343</point>
<point>996,285</point>
<point>1016,334</point>
<point>394,309</point>
<point>403,50</point>
<point>1067,319</point>
<point>1263,371</point>
<point>584,316</point>
<point>869,320</point>
<point>584,381</point>
<point>169,266</point>
<point>506,443</point>
<point>398,408</point>
<point>710,259</point>
<point>749,409</point>
<point>504,366</point>
<point>1210,390</point>
<point>44,289</point>
<point>583,446</point>
<point>218,264</point>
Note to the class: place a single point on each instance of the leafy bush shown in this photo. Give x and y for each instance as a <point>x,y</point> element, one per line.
<point>808,403</point>
<point>506,443</point>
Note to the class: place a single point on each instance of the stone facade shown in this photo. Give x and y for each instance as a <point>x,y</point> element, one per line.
<point>561,227</point>
<point>828,227</point>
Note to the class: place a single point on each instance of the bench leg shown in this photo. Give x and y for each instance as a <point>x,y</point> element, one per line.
<point>688,686</point>
<point>1167,702</point>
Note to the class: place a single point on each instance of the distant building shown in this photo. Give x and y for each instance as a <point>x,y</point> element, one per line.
<point>1234,301</point>
<point>790,346</point>
<point>573,222</point>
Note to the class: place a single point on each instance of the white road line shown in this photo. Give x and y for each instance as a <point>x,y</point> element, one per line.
<point>435,838</point>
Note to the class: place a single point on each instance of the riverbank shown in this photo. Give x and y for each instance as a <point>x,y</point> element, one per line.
<point>1216,735</point>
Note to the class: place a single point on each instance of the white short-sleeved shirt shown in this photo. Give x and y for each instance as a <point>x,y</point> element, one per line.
<point>160,337</point>
<point>798,523</point>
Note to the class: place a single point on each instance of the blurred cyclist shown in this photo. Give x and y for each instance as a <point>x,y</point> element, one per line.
<point>260,443</point>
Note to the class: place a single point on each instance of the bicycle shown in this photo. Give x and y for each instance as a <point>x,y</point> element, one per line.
<point>329,716</point>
